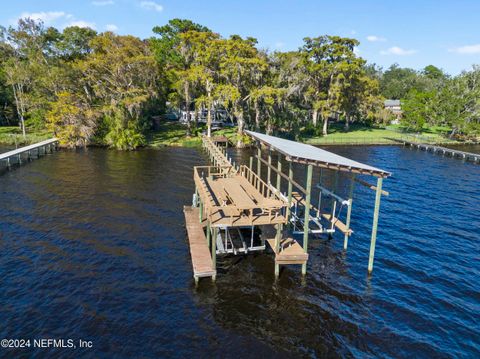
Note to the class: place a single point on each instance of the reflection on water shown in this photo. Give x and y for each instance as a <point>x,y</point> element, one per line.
<point>93,246</point>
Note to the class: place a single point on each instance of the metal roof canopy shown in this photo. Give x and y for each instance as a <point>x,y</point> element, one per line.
<point>307,154</point>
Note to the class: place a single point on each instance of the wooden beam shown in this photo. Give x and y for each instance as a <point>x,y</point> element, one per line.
<point>371,186</point>
<point>296,184</point>
<point>349,211</point>
<point>307,214</point>
<point>259,163</point>
<point>375,224</point>
<point>290,180</point>
<point>279,171</point>
<point>269,168</point>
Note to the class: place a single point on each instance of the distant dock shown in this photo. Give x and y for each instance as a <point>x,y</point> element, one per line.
<point>467,156</point>
<point>28,152</point>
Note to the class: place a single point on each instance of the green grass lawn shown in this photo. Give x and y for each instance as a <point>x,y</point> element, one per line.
<point>358,135</point>
<point>12,136</point>
<point>174,134</point>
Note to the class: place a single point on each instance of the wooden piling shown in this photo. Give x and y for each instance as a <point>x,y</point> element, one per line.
<point>269,171</point>
<point>290,187</point>
<point>349,211</point>
<point>378,196</point>
<point>214,250</point>
<point>259,161</point>
<point>278,237</point>
<point>279,169</point>
<point>308,188</point>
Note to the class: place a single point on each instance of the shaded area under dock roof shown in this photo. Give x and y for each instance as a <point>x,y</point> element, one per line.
<point>307,154</point>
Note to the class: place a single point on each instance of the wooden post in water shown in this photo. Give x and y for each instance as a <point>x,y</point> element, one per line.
<point>214,249</point>
<point>290,185</point>
<point>278,237</point>
<point>279,168</point>
<point>349,211</point>
<point>250,165</point>
<point>269,170</point>
<point>373,241</point>
<point>308,188</point>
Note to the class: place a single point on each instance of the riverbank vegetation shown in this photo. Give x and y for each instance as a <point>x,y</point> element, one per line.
<point>106,89</point>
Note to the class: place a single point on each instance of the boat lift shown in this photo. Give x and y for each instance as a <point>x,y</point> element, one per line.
<point>233,240</point>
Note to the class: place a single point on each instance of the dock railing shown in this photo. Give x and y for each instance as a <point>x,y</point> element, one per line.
<point>214,205</point>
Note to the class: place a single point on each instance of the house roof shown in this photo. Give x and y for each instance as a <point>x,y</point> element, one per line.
<point>391,103</point>
<point>307,154</point>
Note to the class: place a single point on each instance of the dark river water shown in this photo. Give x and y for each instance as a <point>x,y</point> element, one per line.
<point>93,247</point>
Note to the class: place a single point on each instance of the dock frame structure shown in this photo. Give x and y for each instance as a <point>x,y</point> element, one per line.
<point>231,196</point>
<point>28,152</point>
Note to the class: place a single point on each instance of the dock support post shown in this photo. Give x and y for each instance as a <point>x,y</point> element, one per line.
<point>279,168</point>
<point>290,185</point>
<point>259,160</point>
<point>308,188</point>
<point>349,211</point>
<point>277,249</point>
<point>250,164</point>
<point>209,233</point>
<point>269,170</point>
<point>200,210</point>
<point>378,195</point>
<point>214,249</point>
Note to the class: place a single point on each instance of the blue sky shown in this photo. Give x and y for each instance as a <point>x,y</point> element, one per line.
<point>410,33</point>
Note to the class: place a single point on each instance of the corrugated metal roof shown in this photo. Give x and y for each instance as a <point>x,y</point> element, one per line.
<point>301,152</point>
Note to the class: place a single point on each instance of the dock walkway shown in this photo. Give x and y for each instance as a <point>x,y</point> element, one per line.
<point>46,146</point>
<point>468,156</point>
<point>201,259</point>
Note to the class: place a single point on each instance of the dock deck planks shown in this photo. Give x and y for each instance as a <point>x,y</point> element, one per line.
<point>201,259</point>
<point>291,252</point>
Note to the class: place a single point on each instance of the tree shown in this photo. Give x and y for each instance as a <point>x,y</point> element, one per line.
<point>173,53</point>
<point>120,77</point>
<point>72,120</point>
<point>241,67</point>
<point>331,66</point>
<point>417,109</point>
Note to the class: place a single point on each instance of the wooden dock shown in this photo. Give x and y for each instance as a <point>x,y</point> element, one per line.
<point>237,199</point>
<point>467,156</point>
<point>201,258</point>
<point>37,149</point>
<point>289,251</point>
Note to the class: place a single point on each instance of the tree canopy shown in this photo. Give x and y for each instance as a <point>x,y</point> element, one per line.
<point>104,88</point>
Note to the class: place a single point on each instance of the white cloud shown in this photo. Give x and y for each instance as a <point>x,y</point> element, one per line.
<point>468,49</point>
<point>111,27</point>
<point>47,17</point>
<point>151,5</point>
<point>374,38</point>
<point>81,23</point>
<point>395,50</point>
<point>103,2</point>
<point>356,51</point>
<point>279,45</point>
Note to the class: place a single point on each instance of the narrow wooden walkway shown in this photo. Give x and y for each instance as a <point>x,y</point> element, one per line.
<point>468,156</point>
<point>47,145</point>
<point>201,259</point>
